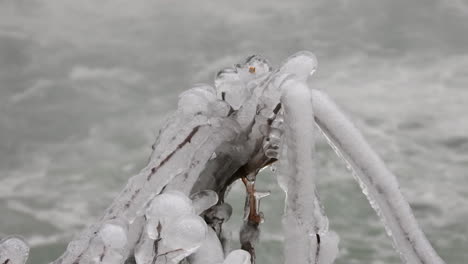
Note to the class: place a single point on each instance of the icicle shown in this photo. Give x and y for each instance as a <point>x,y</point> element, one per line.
<point>304,222</point>
<point>377,182</point>
<point>13,250</point>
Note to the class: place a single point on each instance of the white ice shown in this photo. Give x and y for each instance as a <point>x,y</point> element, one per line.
<point>377,182</point>
<point>165,208</point>
<point>238,256</point>
<point>254,67</point>
<point>304,222</point>
<point>210,251</point>
<point>230,88</point>
<point>13,250</point>
<point>203,200</point>
<point>302,64</point>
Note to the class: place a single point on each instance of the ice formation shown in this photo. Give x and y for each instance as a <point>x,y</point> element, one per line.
<point>13,250</point>
<point>377,182</point>
<point>304,219</point>
<point>173,211</point>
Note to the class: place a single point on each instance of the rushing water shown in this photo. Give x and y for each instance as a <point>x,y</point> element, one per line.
<point>84,86</point>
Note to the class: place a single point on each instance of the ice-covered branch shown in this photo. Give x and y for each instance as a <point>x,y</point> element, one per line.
<point>377,182</point>
<point>307,239</point>
<point>173,211</point>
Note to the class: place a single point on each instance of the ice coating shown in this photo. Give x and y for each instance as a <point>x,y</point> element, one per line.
<point>238,256</point>
<point>230,88</point>
<point>202,99</point>
<point>304,221</point>
<point>165,208</point>
<point>377,182</point>
<point>13,250</point>
<point>203,200</point>
<point>145,252</point>
<point>302,64</point>
<point>197,99</point>
<point>114,237</point>
<point>254,67</point>
<point>210,251</point>
<point>186,233</point>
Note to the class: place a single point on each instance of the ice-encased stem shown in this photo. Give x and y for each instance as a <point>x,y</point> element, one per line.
<point>13,250</point>
<point>377,182</point>
<point>307,239</point>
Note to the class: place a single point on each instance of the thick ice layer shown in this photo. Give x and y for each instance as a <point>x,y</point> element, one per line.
<point>302,64</point>
<point>210,251</point>
<point>377,182</point>
<point>183,149</point>
<point>203,200</point>
<point>202,99</point>
<point>164,209</point>
<point>304,221</point>
<point>13,250</point>
<point>187,232</point>
<point>255,66</point>
<point>145,251</point>
<point>238,256</point>
<point>230,88</point>
<point>109,246</point>
<point>113,234</point>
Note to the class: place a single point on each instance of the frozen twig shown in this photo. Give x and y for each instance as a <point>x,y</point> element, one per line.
<point>307,239</point>
<point>377,182</point>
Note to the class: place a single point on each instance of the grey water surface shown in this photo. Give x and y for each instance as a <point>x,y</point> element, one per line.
<point>84,86</point>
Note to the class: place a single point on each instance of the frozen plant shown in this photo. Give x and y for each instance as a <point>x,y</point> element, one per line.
<point>173,211</point>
